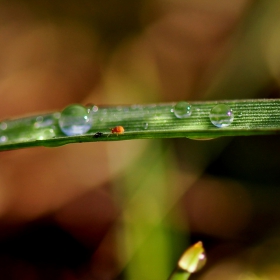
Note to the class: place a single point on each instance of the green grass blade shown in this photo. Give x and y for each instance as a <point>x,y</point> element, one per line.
<point>192,260</point>
<point>251,117</point>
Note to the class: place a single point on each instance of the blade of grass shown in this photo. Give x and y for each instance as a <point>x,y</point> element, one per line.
<point>192,260</point>
<point>251,117</point>
<point>146,241</point>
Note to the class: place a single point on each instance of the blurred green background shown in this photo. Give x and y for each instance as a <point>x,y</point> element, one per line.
<point>128,210</point>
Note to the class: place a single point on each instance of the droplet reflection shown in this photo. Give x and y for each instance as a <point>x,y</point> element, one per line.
<point>3,139</point>
<point>3,125</point>
<point>221,115</point>
<point>182,110</point>
<point>75,120</point>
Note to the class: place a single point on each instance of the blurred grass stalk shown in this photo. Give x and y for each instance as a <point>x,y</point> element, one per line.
<point>147,243</point>
<point>180,275</point>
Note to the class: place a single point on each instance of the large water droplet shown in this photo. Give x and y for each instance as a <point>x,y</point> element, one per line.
<point>182,109</point>
<point>75,120</point>
<point>221,115</point>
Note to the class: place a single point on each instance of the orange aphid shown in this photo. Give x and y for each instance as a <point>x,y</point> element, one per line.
<point>117,130</point>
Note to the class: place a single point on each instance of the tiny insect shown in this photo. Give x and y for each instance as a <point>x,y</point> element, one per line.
<point>117,130</point>
<point>97,134</point>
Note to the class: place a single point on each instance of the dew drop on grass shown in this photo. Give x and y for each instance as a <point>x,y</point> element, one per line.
<point>39,119</point>
<point>57,115</point>
<point>146,125</point>
<point>93,109</point>
<point>75,120</point>
<point>47,133</point>
<point>3,139</point>
<point>221,115</point>
<point>182,110</point>
<point>43,122</point>
<point>3,125</point>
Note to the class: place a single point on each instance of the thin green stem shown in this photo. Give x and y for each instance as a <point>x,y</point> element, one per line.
<point>251,117</point>
<point>192,260</point>
<point>179,275</point>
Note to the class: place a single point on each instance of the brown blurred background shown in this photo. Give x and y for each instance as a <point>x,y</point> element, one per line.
<point>127,210</point>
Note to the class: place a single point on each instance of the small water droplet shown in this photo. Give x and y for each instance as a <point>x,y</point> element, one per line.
<point>221,115</point>
<point>3,139</point>
<point>75,120</point>
<point>146,125</point>
<point>46,134</point>
<point>57,115</point>
<point>240,114</point>
<point>93,109</point>
<point>3,125</point>
<point>182,110</point>
<point>41,122</point>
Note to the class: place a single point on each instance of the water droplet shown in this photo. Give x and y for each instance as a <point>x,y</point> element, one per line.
<point>39,119</point>
<point>221,115</point>
<point>146,125</point>
<point>41,122</point>
<point>3,139</point>
<point>57,115</point>
<point>75,120</point>
<point>136,107</point>
<point>240,114</point>
<point>93,109</point>
<point>45,134</point>
<point>182,110</point>
<point>3,125</point>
